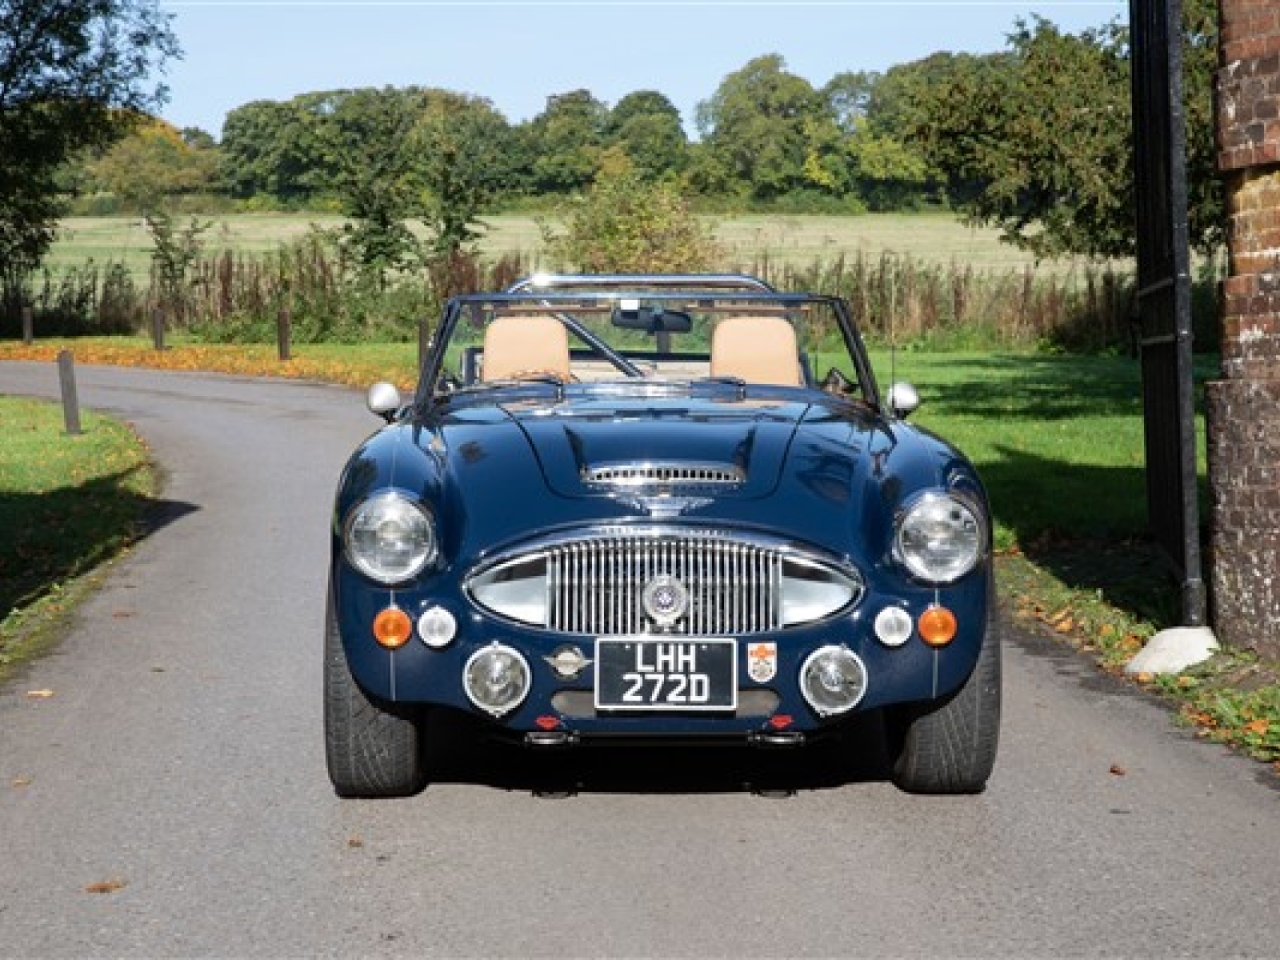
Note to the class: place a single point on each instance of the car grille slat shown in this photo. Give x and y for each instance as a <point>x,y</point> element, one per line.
<point>597,585</point>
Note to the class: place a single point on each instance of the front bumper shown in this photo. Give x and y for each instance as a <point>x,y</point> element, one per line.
<point>557,704</point>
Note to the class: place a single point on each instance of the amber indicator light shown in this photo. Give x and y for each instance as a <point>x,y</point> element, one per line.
<point>937,626</point>
<point>392,628</point>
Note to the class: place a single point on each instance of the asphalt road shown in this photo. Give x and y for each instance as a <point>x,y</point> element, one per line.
<point>180,764</point>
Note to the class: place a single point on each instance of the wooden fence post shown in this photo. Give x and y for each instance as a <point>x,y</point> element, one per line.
<point>70,401</point>
<point>28,326</point>
<point>157,328</point>
<point>284,330</point>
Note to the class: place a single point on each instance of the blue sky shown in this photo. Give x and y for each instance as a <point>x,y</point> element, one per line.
<point>518,53</point>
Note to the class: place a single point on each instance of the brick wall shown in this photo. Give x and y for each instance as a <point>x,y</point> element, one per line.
<point>1244,407</point>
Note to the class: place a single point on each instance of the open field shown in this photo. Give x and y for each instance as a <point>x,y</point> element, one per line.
<point>932,237</point>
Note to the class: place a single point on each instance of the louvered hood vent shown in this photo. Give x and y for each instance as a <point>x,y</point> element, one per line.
<point>666,476</point>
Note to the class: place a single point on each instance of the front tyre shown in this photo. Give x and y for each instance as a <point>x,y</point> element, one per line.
<point>950,748</point>
<point>370,750</point>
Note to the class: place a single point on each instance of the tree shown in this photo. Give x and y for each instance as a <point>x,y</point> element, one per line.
<point>73,76</point>
<point>885,169</point>
<point>567,138</point>
<point>154,163</point>
<point>762,122</point>
<point>624,224</point>
<point>273,149</point>
<point>461,165</point>
<point>365,140</point>
<point>1037,141</point>
<point>646,127</point>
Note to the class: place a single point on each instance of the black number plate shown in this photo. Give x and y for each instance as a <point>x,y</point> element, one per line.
<point>637,673</point>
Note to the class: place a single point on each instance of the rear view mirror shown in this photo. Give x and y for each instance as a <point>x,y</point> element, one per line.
<point>632,316</point>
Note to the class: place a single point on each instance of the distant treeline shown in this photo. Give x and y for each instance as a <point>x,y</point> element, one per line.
<point>1034,140</point>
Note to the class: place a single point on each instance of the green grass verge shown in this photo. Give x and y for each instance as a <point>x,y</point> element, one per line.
<point>67,503</point>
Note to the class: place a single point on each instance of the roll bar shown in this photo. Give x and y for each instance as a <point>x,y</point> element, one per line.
<point>716,281</point>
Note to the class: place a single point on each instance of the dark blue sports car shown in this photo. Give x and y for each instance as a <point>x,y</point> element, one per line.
<point>661,508</point>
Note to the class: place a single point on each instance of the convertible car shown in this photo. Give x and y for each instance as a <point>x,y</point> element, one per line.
<point>659,509</point>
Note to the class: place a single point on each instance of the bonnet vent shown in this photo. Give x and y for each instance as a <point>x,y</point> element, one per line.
<point>633,475</point>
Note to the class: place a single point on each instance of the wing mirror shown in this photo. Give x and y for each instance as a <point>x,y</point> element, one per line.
<point>903,399</point>
<point>383,400</point>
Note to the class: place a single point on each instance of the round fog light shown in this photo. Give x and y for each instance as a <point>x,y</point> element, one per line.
<point>893,626</point>
<point>437,627</point>
<point>496,679</point>
<point>833,680</point>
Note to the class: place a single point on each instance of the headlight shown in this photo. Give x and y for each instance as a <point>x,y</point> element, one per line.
<point>389,538</point>
<point>940,538</point>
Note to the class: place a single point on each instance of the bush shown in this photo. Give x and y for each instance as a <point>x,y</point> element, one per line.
<point>625,225</point>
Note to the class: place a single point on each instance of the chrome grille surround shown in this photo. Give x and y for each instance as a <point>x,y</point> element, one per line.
<point>665,475</point>
<point>595,581</point>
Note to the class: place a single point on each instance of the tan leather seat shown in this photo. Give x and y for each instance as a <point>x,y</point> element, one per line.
<point>757,350</point>
<point>517,347</point>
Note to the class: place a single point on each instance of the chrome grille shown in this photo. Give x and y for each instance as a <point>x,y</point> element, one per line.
<point>595,586</point>
<point>665,475</point>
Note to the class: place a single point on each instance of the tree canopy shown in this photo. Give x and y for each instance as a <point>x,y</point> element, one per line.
<point>74,75</point>
<point>1037,140</point>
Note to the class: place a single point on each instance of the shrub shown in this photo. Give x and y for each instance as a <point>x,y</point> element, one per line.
<point>625,225</point>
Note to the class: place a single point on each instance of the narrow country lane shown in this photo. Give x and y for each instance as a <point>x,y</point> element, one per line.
<point>180,764</point>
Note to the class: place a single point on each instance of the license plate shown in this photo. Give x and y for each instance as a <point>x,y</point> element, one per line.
<point>636,673</point>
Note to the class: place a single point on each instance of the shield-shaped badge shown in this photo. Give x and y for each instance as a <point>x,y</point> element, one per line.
<point>762,661</point>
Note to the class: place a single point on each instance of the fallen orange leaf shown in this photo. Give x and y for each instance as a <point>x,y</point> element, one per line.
<point>106,886</point>
<point>39,694</point>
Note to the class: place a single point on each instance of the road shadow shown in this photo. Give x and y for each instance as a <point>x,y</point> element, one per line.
<point>464,752</point>
<point>53,536</point>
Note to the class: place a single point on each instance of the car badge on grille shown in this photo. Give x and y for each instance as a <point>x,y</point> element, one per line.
<point>665,599</point>
<point>568,662</point>
<point>665,507</point>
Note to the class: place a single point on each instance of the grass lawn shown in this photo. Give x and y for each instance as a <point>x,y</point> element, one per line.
<point>66,504</point>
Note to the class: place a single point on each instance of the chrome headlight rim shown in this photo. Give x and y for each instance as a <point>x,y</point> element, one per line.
<point>972,555</point>
<point>390,503</point>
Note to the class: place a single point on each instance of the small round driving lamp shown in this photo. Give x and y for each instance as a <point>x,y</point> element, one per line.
<point>833,680</point>
<point>496,679</point>
<point>389,538</point>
